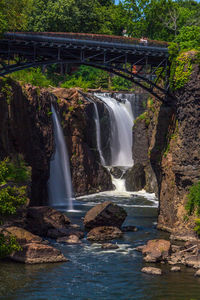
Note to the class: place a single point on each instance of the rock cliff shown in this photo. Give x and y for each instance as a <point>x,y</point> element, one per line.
<point>174,154</point>
<point>26,127</point>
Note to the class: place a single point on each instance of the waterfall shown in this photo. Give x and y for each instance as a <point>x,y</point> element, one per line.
<point>60,185</point>
<point>98,133</point>
<point>121,123</point>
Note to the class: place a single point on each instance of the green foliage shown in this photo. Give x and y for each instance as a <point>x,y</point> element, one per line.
<point>12,198</point>
<point>33,76</point>
<point>189,37</point>
<point>120,84</point>
<point>181,70</point>
<point>14,14</point>
<point>13,172</point>
<point>197,227</point>
<point>145,117</point>
<point>8,244</point>
<point>193,204</point>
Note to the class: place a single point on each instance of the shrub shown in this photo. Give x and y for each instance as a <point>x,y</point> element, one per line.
<point>8,244</point>
<point>33,76</point>
<point>11,198</point>
<point>193,204</point>
<point>14,170</point>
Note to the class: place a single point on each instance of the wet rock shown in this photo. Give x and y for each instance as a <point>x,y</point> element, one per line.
<point>71,239</point>
<point>140,248</point>
<point>187,236</point>
<point>108,246</point>
<point>193,261</point>
<point>135,178</point>
<point>105,214</point>
<point>23,236</point>
<point>129,228</point>
<point>156,250</point>
<point>197,273</point>
<point>41,219</point>
<point>175,269</point>
<point>38,253</point>
<point>116,172</point>
<point>103,233</point>
<point>151,270</point>
<point>175,248</point>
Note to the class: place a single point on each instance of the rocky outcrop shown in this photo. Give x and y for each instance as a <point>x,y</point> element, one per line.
<point>38,253</point>
<point>141,175</point>
<point>26,127</point>
<point>105,214</point>
<point>103,233</point>
<point>174,155</point>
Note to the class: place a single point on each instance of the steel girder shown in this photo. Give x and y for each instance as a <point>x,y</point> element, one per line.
<point>142,65</point>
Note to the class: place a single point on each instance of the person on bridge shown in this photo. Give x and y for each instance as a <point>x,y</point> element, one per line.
<point>144,41</point>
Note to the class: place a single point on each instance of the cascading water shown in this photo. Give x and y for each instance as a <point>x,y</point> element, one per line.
<point>60,185</point>
<point>121,122</point>
<point>98,133</point>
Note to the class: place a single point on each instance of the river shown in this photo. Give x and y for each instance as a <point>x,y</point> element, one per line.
<point>94,274</point>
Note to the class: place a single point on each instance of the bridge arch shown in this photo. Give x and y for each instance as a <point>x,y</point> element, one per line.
<point>117,55</point>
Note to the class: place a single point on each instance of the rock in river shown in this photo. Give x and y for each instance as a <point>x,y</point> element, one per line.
<point>38,253</point>
<point>22,236</point>
<point>151,270</point>
<point>103,233</point>
<point>42,218</point>
<point>156,250</point>
<point>105,214</point>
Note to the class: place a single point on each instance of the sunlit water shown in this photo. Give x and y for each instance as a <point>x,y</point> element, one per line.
<point>94,274</point>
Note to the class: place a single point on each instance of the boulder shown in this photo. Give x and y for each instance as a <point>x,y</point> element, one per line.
<point>103,233</point>
<point>38,253</point>
<point>105,214</point>
<point>42,218</point>
<point>151,270</point>
<point>23,236</point>
<point>156,250</point>
<point>175,269</point>
<point>71,239</point>
<point>109,246</point>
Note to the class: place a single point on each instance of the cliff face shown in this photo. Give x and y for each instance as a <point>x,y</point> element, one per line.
<point>26,128</point>
<point>175,154</point>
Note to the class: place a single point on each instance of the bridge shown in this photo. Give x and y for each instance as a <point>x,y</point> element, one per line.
<point>142,62</point>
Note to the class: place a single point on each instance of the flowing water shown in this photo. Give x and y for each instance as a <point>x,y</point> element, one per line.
<point>121,123</point>
<point>60,184</point>
<point>98,133</point>
<point>96,274</point>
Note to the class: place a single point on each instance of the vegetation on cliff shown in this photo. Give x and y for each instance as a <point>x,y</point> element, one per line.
<point>14,176</point>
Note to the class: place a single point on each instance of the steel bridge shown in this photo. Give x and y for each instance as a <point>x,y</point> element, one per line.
<point>142,62</point>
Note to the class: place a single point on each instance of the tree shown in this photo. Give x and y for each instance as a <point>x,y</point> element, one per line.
<point>14,14</point>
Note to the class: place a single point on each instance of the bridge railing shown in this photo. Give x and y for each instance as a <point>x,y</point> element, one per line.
<point>99,37</point>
